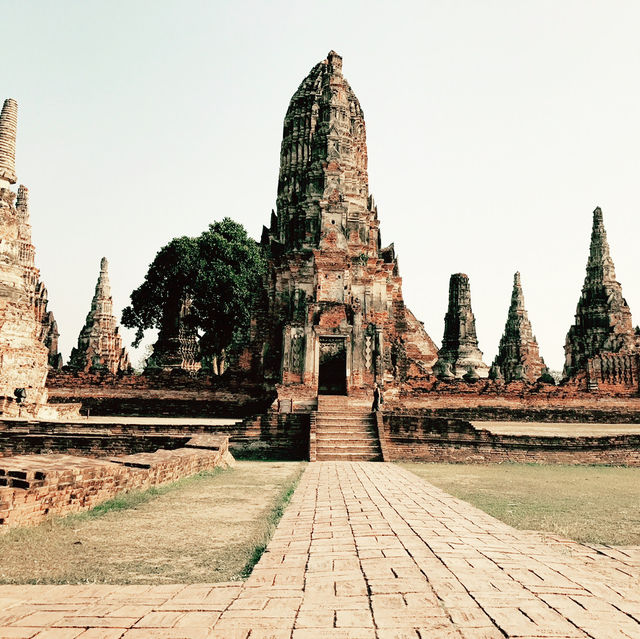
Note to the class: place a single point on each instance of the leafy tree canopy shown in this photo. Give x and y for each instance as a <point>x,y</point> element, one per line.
<point>221,271</point>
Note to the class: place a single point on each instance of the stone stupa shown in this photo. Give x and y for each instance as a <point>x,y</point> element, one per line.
<point>100,346</point>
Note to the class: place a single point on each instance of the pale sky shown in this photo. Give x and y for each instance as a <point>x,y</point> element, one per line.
<point>494,129</point>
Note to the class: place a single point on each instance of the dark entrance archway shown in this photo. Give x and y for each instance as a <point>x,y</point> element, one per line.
<point>332,369</point>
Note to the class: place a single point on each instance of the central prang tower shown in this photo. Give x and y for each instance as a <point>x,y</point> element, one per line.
<point>335,319</point>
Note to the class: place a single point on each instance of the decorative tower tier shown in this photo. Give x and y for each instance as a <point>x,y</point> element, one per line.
<point>100,344</point>
<point>518,355</point>
<point>460,355</point>
<point>335,320</point>
<point>602,331</point>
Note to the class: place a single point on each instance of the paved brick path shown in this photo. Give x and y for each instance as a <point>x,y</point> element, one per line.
<point>366,550</point>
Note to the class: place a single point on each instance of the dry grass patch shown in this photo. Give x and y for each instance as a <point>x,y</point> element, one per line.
<point>201,529</point>
<point>591,504</point>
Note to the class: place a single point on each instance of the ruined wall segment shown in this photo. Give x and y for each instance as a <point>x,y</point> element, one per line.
<point>332,285</point>
<point>602,345</point>
<point>518,355</point>
<point>100,343</point>
<point>459,354</point>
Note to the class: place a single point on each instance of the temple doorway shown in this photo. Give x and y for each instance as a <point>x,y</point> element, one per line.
<point>332,366</point>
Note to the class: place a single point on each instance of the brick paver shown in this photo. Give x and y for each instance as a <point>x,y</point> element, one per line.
<point>366,550</point>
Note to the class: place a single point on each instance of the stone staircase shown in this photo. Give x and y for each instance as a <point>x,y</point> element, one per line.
<point>345,430</point>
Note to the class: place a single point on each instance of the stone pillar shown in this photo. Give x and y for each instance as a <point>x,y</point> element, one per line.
<point>8,128</point>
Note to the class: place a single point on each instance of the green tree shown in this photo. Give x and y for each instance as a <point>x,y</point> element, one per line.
<point>221,270</point>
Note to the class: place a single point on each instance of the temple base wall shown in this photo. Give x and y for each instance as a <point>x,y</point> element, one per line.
<point>273,435</point>
<point>158,395</point>
<point>431,439</point>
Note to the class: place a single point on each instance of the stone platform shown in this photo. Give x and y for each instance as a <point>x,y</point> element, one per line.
<point>366,550</point>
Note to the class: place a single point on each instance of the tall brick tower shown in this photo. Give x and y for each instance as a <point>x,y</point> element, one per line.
<point>23,357</point>
<point>336,320</point>
<point>602,339</point>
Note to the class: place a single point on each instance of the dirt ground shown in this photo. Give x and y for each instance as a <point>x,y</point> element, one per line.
<point>204,530</point>
<point>591,504</point>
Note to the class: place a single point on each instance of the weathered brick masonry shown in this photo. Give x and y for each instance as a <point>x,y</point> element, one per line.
<point>435,439</point>
<point>35,486</point>
<point>282,435</point>
<point>159,395</point>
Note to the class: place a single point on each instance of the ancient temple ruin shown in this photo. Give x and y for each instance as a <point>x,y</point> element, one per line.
<point>459,355</point>
<point>100,346</point>
<point>23,354</point>
<point>177,345</point>
<point>602,346</point>
<point>336,320</point>
<point>48,333</point>
<point>518,355</point>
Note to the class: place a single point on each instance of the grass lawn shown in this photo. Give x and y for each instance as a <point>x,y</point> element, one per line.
<point>593,504</point>
<point>207,528</point>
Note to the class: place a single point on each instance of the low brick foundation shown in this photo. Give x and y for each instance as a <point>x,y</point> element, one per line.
<point>33,487</point>
<point>425,438</point>
<point>162,395</point>
<point>274,435</point>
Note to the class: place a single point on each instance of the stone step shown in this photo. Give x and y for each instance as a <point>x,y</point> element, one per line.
<point>344,415</point>
<point>345,432</point>
<point>347,441</point>
<point>347,422</point>
<point>347,457</point>
<point>340,437</point>
<point>348,450</point>
<point>331,434</point>
<point>347,428</point>
<point>344,403</point>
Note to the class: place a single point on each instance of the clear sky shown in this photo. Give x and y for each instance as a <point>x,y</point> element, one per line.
<point>494,129</point>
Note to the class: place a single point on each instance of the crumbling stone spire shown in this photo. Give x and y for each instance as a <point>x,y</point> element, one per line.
<point>518,355</point>
<point>603,318</point>
<point>99,343</point>
<point>177,347</point>
<point>323,185</point>
<point>460,354</point>
<point>8,129</point>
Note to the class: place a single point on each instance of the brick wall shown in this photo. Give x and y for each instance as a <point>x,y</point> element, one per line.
<point>159,395</point>
<point>420,437</point>
<point>278,435</point>
<point>33,487</point>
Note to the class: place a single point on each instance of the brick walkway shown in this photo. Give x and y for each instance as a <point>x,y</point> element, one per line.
<point>366,550</point>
